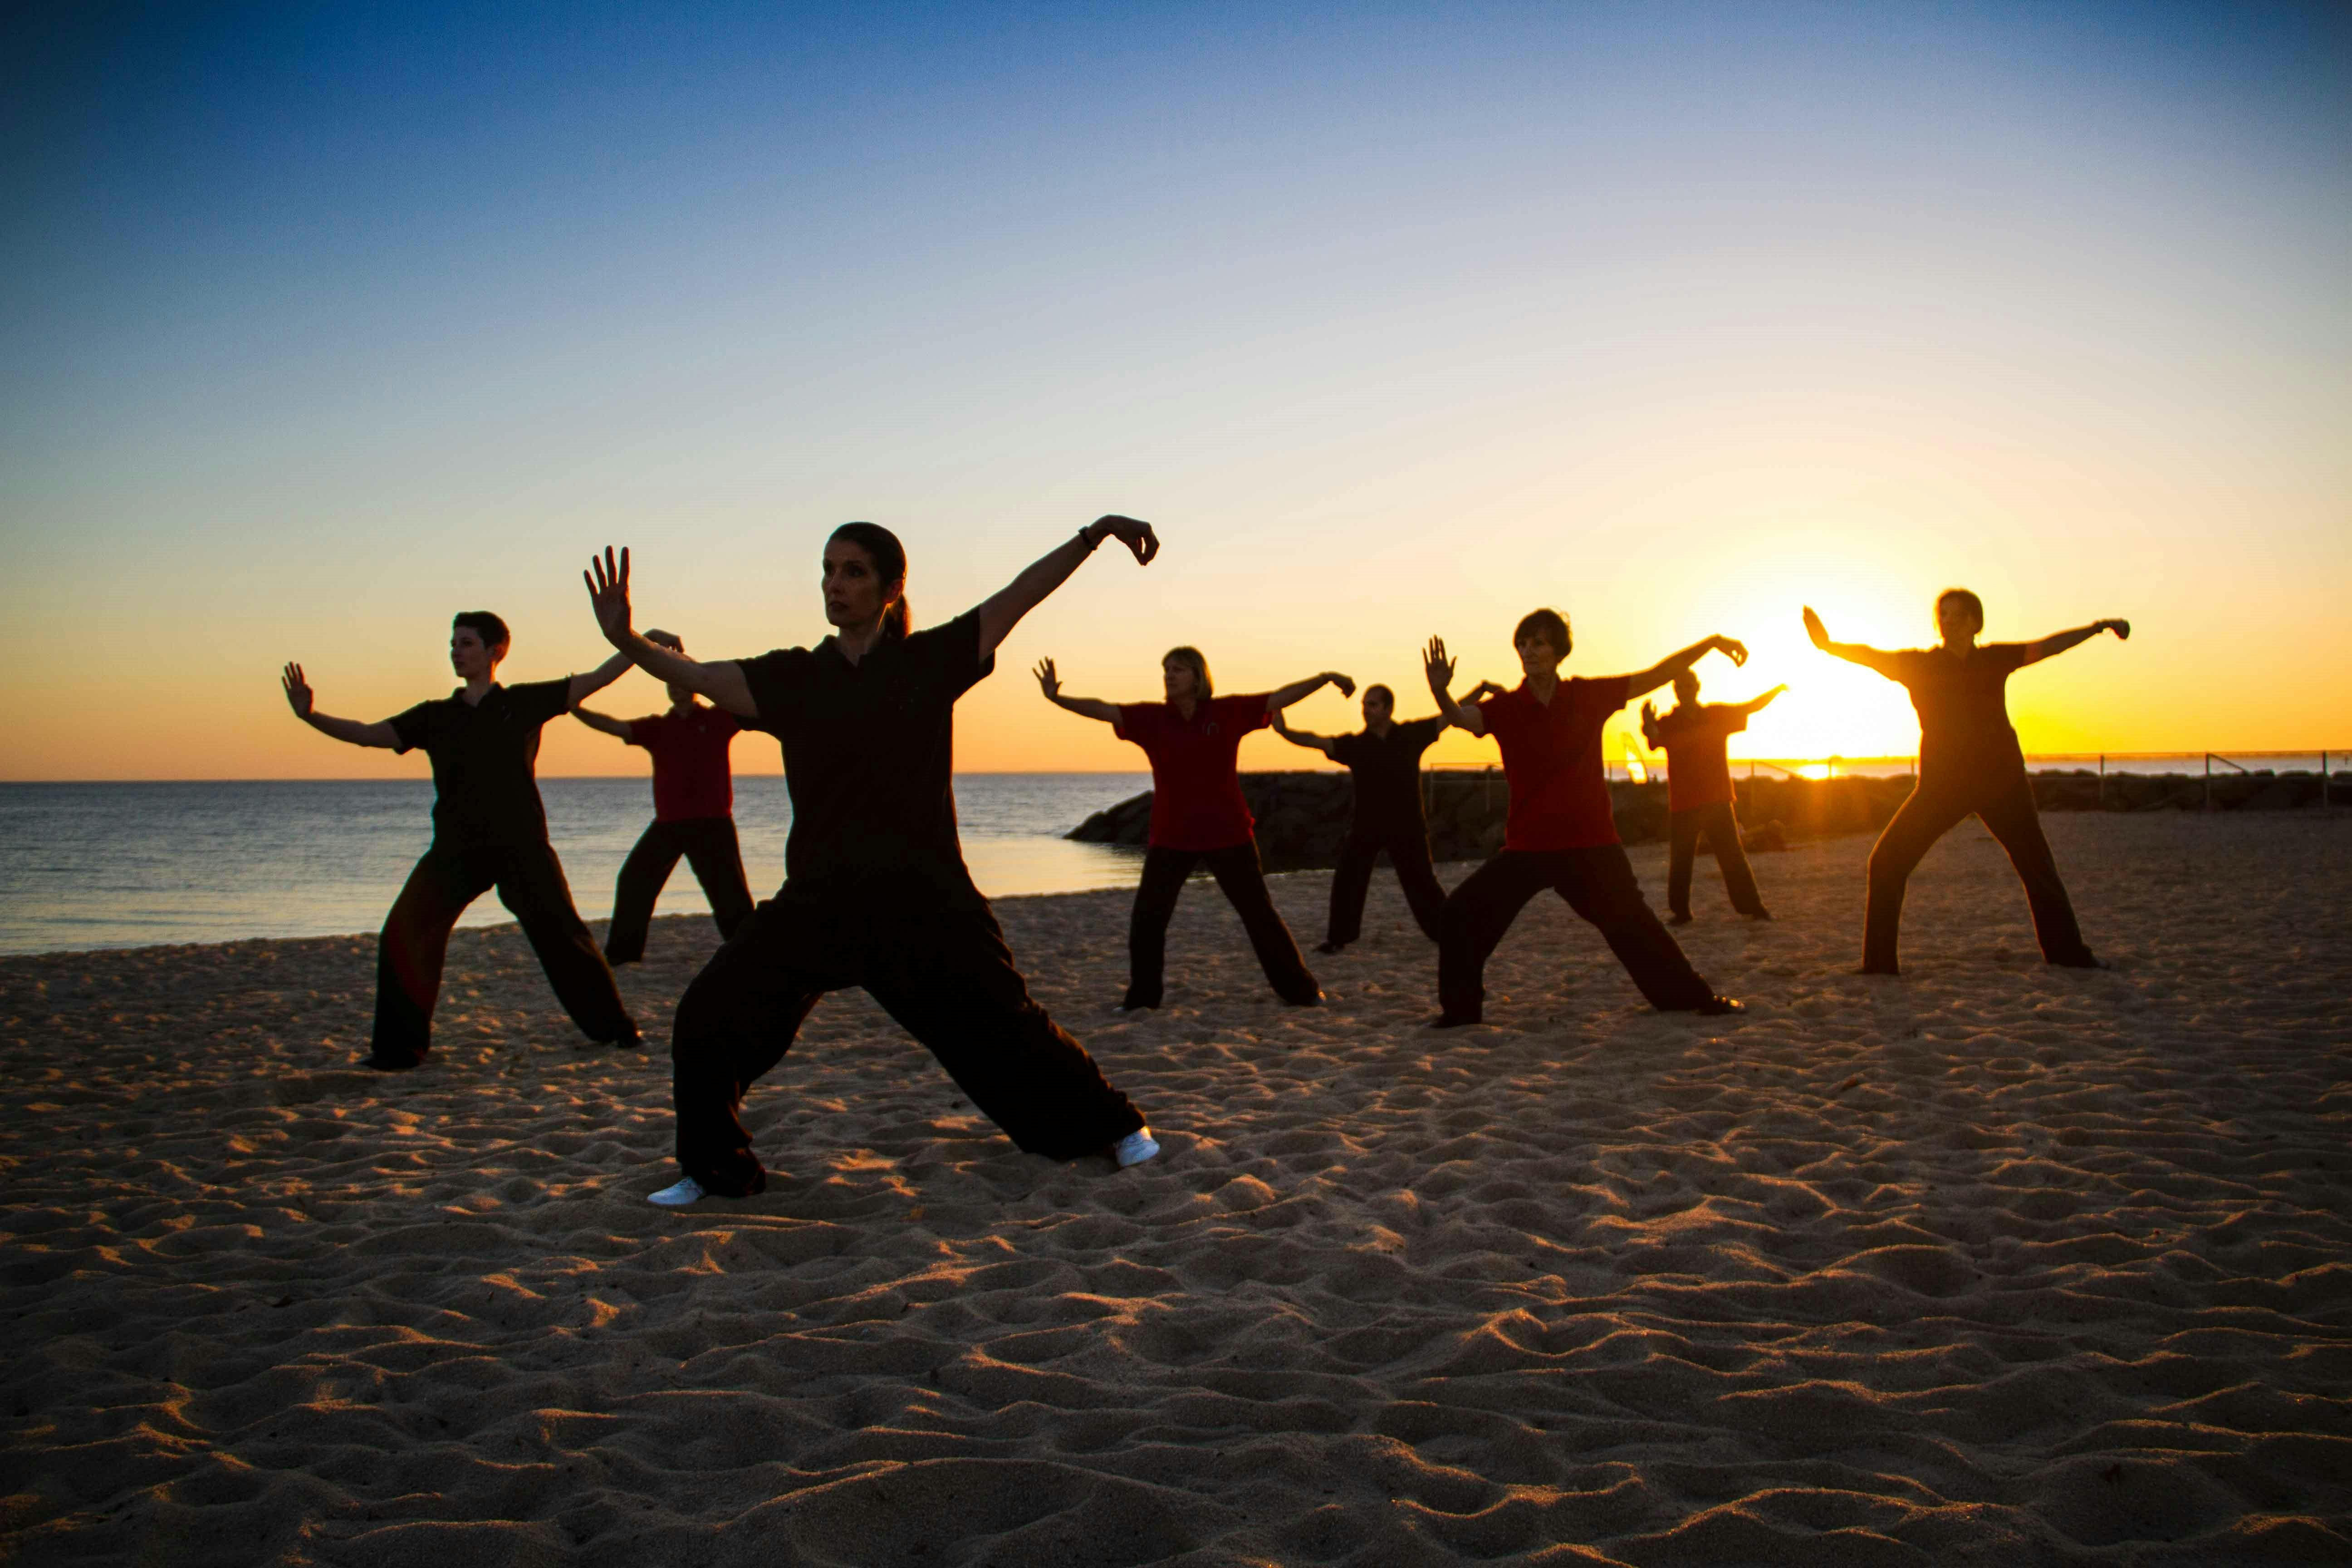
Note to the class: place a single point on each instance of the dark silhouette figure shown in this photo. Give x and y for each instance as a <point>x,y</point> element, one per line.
<point>1561,832</point>
<point>1198,815</point>
<point>876,892</point>
<point>694,816</point>
<point>1699,793</point>
<point>488,831</point>
<point>1969,763</point>
<point>1383,760</point>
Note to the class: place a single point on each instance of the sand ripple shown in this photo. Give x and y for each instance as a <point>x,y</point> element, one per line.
<point>1997,1264</point>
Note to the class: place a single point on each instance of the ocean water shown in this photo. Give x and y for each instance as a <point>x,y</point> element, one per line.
<point>127,865</point>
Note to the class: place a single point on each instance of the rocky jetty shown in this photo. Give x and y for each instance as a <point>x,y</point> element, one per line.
<point>1302,817</point>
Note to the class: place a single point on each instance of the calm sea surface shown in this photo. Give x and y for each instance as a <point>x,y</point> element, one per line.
<point>124,865</point>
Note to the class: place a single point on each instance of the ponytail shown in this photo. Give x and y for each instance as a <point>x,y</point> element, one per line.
<point>890,559</point>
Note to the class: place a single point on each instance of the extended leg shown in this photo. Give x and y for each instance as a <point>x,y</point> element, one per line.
<point>642,875</point>
<point>1164,871</point>
<point>1423,894</point>
<point>1917,823</point>
<point>1731,858</point>
<point>531,884</point>
<point>1682,837</point>
<point>717,857</point>
<point>735,1023</point>
<point>1243,880</point>
<point>1350,880</point>
<point>409,953</point>
<point>1599,884</point>
<point>2012,818</point>
<point>948,977</point>
<point>1475,918</point>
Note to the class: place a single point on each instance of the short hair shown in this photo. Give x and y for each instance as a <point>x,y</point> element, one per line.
<point>1975,604</point>
<point>1689,675</point>
<point>484,624</point>
<point>1548,625</point>
<point>1381,691</point>
<point>1197,663</point>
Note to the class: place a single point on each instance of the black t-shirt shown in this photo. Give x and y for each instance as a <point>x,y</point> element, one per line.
<point>482,757</point>
<point>1963,707</point>
<point>868,751</point>
<point>1387,772</point>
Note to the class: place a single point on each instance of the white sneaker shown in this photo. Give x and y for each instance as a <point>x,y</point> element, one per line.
<point>685,1189</point>
<point>1132,1149</point>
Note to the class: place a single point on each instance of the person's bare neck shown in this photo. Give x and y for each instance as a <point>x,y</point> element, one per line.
<point>1541,687</point>
<point>856,642</point>
<point>686,704</point>
<point>1185,707</point>
<point>478,687</point>
<point>1962,649</point>
<point>1379,729</point>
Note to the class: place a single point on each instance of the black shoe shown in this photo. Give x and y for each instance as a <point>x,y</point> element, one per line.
<point>1448,1021</point>
<point>1136,1007</point>
<point>1717,1006</point>
<point>1329,946</point>
<point>1315,1000</point>
<point>1678,920</point>
<point>1760,914</point>
<point>1873,969</point>
<point>2087,960</point>
<point>392,1064</point>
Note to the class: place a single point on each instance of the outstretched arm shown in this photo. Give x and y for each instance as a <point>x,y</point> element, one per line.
<point>608,594</point>
<point>1083,707</point>
<point>1300,737</point>
<point>616,728</point>
<point>1002,610</point>
<point>1281,697</point>
<point>1673,664</point>
<point>585,685</point>
<point>1440,671</point>
<point>2059,642</point>
<point>350,730</point>
<point>1758,704</point>
<point>1860,653</point>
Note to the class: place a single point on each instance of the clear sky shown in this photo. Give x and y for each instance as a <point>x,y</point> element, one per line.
<point>318,323</point>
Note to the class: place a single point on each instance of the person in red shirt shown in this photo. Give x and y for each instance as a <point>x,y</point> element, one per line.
<point>1560,833</point>
<point>1699,792</point>
<point>1970,762</point>
<point>1198,815</point>
<point>694,814</point>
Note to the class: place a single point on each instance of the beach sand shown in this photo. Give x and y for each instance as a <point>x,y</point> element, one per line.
<point>1994,1263</point>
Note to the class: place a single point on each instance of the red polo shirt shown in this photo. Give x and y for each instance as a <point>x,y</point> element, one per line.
<point>1196,785</point>
<point>1698,773</point>
<point>691,777</point>
<point>1551,757</point>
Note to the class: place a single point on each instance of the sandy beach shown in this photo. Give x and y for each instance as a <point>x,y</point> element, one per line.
<point>1994,1263</point>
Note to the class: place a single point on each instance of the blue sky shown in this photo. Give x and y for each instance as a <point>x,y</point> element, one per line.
<point>322,322</point>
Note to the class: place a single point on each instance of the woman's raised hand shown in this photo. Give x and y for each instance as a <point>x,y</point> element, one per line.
<point>2121,628</point>
<point>1732,649</point>
<point>297,690</point>
<point>1047,680</point>
<point>1439,669</point>
<point>1137,536</point>
<point>1814,629</point>
<point>608,594</point>
<point>1347,687</point>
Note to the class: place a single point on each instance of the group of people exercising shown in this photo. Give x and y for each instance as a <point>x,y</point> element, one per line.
<point>875,893</point>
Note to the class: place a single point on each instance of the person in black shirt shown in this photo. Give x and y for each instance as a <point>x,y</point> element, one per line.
<point>1970,762</point>
<point>488,830</point>
<point>875,893</point>
<point>1384,761</point>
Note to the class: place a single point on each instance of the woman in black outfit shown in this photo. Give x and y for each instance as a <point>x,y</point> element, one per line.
<point>875,893</point>
<point>1969,762</point>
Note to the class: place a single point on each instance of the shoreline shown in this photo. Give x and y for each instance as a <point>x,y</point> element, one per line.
<point>1995,1262</point>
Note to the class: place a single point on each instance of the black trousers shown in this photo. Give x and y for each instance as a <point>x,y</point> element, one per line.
<point>2003,801</point>
<point>711,846</point>
<point>936,963</point>
<point>1237,871</point>
<point>415,941</point>
<point>1721,825</point>
<point>1598,884</point>
<point>1408,850</point>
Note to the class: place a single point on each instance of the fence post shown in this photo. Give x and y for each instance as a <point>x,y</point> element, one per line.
<point>2103,781</point>
<point>2209,782</point>
<point>2327,806</point>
